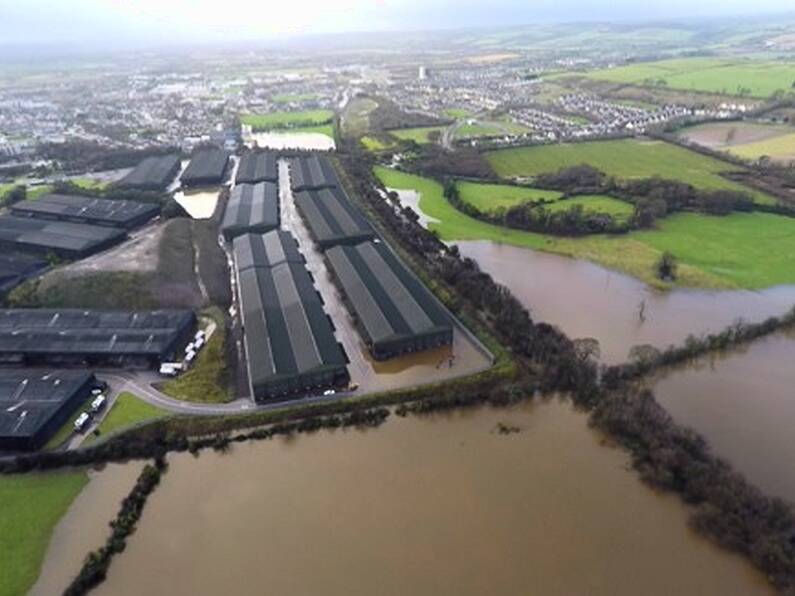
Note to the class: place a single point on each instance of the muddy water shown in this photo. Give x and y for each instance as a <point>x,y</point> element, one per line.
<point>200,204</point>
<point>744,404</point>
<point>434,506</point>
<point>85,526</point>
<point>586,300</point>
<point>308,141</point>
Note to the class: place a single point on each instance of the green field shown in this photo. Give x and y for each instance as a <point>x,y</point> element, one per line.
<point>291,98</point>
<point>90,183</point>
<point>488,197</point>
<point>779,148</point>
<point>374,144</point>
<point>418,135</point>
<point>283,120</point>
<point>457,113</point>
<point>470,131</point>
<point>624,159</point>
<point>127,411</point>
<point>30,507</point>
<point>620,210</point>
<point>714,75</point>
<point>739,251</point>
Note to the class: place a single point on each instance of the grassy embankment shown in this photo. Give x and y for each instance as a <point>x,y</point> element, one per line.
<point>308,121</point>
<point>624,159</point>
<point>126,411</point>
<point>737,251</point>
<point>30,507</point>
<point>208,380</point>
<point>730,76</point>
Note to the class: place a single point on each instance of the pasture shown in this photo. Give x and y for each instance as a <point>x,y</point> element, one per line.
<point>285,120</point>
<point>753,78</point>
<point>624,159</point>
<point>749,250</point>
<point>418,135</point>
<point>488,197</point>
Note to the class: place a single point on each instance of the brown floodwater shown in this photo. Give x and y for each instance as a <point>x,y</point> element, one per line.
<point>85,526</point>
<point>432,506</point>
<point>586,300</point>
<point>743,402</point>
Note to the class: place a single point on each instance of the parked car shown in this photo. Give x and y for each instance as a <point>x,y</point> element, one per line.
<point>98,403</point>
<point>81,423</point>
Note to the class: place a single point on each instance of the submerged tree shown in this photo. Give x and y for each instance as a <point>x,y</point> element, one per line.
<point>666,267</point>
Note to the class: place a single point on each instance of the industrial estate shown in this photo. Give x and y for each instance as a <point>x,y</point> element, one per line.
<point>578,235</point>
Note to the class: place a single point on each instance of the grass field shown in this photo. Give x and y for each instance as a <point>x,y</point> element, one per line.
<point>457,113</point>
<point>291,98</point>
<point>620,210</point>
<point>283,120</point>
<point>487,197</point>
<point>374,144</point>
<point>126,411</point>
<point>778,148</point>
<point>30,507</point>
<point>418,135</point>
<point>625,159</point>
<point>741,250</point>
<point>714,75</point>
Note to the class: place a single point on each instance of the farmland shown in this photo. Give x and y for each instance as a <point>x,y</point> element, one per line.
<point>287,120</point>
<point>418,135</point>
<point>32,505</point>
<point>759,79</point>
<point>780,148</point>
<point>714,252</point>
<point>749,140</point>
<point>623,159</point>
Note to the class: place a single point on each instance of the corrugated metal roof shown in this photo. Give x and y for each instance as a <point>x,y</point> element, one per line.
<point>88,210</point>
<point>207,166</point>
<point>28,233</point>
<point>266,250</point>
<point>312,172</point>
<point>154,172</point>
<point>257,166</point>
<point>332,218</point>
<point>251,208</point>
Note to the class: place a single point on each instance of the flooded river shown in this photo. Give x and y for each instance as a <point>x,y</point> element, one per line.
<point>435,506</point>
<point>586,300</point>
<point>744,404</point>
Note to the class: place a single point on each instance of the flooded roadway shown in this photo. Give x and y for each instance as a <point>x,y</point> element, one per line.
<point>423,506</point>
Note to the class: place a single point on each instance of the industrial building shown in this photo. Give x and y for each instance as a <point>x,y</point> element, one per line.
<point>35,404</point>
<point>331,217</point>
<point>312,173</point>
<point>62,239</point>
<point>266,250</point>
<point>88,210</point>
<point>17,267</point>
<point>153,173</point>
<point>257,166</point>
<point>251,208</point>
<point>207,167</point>
<point>289,339</point>
<point>394,312</point>
<point>93,337</point>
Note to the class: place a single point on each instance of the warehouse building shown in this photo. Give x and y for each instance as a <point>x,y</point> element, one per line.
<point>35,404</point>
<point>394,312</point>
<point>312,173</point>
<point>88,210</point>
<point>257,166</point>
<point>266,250</point>
<point>17,267</point>
<point>153,173</point>
<point>331,217</point>
<point>289,339</point>
<point>92,337</point>
<point>251,208</point>
<point>207,167</point>
<point>60,238</point>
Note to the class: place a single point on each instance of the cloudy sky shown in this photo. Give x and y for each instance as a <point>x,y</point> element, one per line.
<point>55,21</point>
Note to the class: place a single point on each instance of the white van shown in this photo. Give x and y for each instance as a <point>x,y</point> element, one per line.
<point>82,422</point>
<point>98,403</point>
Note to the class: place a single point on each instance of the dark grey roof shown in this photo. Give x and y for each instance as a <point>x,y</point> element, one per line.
<point>153,173</point>
<point>332,218</point>
<point>251,208</point>
<point>88,210</point>
<point>266,250</point>
<point>76,332</point>
<point>64,238</point>
<point>257,166</point>
<point>15,267</point>
<point>30,398</point>
<point>207,166</point>
<point>287,332</point>
<point>312,172</point>
<point>388,300</point>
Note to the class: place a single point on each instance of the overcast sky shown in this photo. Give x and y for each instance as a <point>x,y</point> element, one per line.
<point>157,21</point>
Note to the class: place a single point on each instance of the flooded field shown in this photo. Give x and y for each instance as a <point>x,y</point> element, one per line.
<point>586,300</point>
<point>743,403</point>
<point>443,505</point>
<point>309,141</point>
<point>200,204</point>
